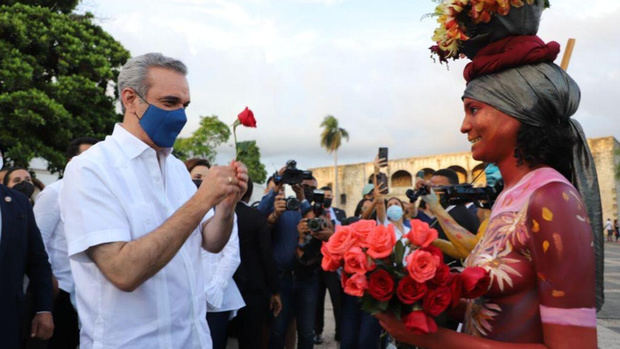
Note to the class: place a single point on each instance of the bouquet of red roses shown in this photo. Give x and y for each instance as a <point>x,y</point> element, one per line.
<point>406,277</point>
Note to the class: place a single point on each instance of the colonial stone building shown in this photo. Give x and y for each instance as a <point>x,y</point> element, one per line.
<point>401,173</point>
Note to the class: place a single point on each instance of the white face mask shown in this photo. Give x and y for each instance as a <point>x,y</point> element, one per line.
<point>1,162</point>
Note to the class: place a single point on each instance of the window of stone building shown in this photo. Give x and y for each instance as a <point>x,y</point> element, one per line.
<point>402,178</point>
<point>461,172</point>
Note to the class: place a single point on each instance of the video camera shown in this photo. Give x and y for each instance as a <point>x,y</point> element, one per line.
<point>483,197</point>
<point>292,175</point>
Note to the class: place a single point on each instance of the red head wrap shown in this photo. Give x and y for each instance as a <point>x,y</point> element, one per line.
<point>510,52</point>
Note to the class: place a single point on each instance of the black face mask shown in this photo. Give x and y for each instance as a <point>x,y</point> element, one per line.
<point>197,182</point>
<point>308,193</point>
<point>327,203</point>
<point>25,188</point>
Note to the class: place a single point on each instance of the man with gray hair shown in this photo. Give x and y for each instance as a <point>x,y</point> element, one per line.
<point>135,221</point>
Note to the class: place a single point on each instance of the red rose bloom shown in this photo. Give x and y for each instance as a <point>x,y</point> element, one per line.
<point>380,241</point>
<point>381,285</point>
<point>246,117</point>
<point>437,300</point>
<point>361,229</point>
<point>356,285</point>
<point>456,288</point>
<point>419,323</point>
<point>435,251</point>
<point>442,276</point>
<point>355,261</point>
<point>329,262</point>
<point>422,265</point>
<point>476,282</point>
<point>421,234</point>
<point>340,242</point>
<point>409,291</point>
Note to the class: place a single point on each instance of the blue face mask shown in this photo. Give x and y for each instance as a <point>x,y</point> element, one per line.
<point>163,126</point>
<point>394,212</point>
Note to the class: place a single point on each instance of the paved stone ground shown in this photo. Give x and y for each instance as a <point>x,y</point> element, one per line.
<point>608,325</point>
<point>609,316</point>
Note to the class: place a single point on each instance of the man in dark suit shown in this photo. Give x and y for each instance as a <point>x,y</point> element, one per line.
<point>328,279</point>
<point>22,252</point>
<point>256,276</point>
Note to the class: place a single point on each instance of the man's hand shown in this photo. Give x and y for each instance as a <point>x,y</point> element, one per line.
<point>275,305</point>
<point>302,228</point>
<point>54,286</point>
<point>324,234</point>
<point>241,179</point>
<point>220,183</point>
<point>377,163</point>
<point>42,326</point>
<point>279,204</point>
<point>299,192</point>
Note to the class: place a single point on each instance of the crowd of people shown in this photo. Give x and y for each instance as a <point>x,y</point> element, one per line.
<point>133,248</point>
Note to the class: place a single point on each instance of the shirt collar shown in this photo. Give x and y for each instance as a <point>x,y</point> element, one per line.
<point>131,145</point>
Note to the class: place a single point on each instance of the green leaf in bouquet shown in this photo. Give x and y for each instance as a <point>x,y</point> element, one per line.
<point>370,305</point>
<point>399,253</point>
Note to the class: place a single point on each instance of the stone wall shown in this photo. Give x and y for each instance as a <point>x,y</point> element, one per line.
<point>401,174</point>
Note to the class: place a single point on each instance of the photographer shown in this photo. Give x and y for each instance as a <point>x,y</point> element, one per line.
<point>455,221</point>
<point>297,263</point>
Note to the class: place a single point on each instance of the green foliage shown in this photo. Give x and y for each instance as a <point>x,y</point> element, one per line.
<point>63,6</point>
<point>202,143</point>
<point>55,70</point>
<point>332,135</point>
<point>249,154</point>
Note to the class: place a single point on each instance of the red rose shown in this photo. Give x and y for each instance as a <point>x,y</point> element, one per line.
<point>356,261</point>
<point>381,241</point>
<point>409,291</point>
<point>329,262</point>
<point>437,300</point>
<point>434,250</point>
<point>442,276</point>
<point>456,288</point>
<point>356,285</point>
<point>422,265</point>
<point>340,242</point>
<point>361,229</point>
<point>419,323</point>
<point>476,282</point>
<point>381,285</point>
<point>421,234</point>
<point>246,117</point>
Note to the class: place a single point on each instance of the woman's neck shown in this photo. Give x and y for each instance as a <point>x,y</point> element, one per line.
<point>512,172</point>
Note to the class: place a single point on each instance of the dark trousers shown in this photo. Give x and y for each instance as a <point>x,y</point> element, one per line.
<point>298,301</point>
<point>218,325</point>
<point>360,330</point>
<point>66,330</point>
<point>328,280</point>
<point>250,320</point>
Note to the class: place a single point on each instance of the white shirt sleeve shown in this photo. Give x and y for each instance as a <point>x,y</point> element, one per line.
<point>92,214</point>
<point>47,215</point>
<point>222,267</point>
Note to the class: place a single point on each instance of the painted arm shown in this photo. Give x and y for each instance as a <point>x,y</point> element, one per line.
<point>462,240</point>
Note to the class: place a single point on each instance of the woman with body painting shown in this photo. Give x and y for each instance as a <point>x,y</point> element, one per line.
<point>539,246</point>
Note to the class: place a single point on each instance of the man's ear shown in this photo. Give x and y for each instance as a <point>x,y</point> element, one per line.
<point>128,98</point>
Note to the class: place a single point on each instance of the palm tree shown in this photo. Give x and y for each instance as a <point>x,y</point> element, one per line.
<point>331,138</point>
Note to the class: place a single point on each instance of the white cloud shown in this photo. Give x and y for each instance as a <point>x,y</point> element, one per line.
<point>366,63</point>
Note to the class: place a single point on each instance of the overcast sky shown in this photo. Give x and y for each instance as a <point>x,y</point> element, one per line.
<point>365,62</point>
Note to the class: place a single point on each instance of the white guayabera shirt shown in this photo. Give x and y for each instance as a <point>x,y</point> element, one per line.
<point>47,215</point>
<point>120,190</point>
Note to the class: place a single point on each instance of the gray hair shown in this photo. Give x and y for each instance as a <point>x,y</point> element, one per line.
<point>133,73</point>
